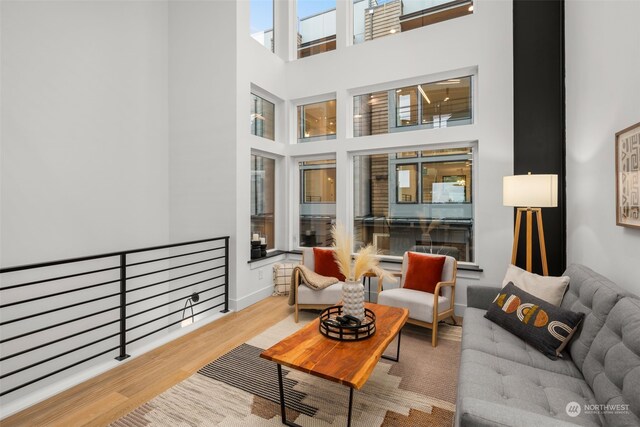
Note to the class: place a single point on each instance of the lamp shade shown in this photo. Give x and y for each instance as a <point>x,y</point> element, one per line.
<point>531,191</point>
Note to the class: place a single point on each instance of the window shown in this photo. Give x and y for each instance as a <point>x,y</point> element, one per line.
<point>407,183</point>
<point>406,106</point>
<point>263,198</point>
<point>262,117</point>
<point>261,22</point>
<point>317,121</point>
<point>373,19</point>
<point>317,202</point>
<point>425,106</point>
<point>420,201</point>
<point>316,27</point>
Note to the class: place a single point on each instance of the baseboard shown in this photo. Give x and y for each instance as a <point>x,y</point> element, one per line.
<point>252,298</point>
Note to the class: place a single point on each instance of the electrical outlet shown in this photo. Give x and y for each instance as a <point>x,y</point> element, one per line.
<point>260,274</point>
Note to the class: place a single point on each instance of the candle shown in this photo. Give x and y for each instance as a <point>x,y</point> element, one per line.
<point>263,240</point>
<point>255,237</point>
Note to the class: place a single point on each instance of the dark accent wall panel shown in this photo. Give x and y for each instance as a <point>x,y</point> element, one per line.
<point>539,115</point>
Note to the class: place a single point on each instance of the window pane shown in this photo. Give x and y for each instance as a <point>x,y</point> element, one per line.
<point>388,214</point>
<point>316,26</point>
<point>262,117</point>
<point>317,121</point>
<point>263,198</point>
<point>317,202</point>
<point>373,19</point>
<point>371,114</point>
<point>261,22</point>
<point>424,106</point>
<point>407,183</point>
<point>450,103</point>
<point>407,106</point>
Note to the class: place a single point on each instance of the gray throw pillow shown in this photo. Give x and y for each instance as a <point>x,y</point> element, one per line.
<point>544,326</point>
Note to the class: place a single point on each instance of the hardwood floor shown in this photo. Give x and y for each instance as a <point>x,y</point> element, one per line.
<point>109,396</point>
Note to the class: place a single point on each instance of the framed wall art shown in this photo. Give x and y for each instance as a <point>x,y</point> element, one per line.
<point>628,177</point>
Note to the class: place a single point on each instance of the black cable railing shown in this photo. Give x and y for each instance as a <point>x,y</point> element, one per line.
<point>52,322</point>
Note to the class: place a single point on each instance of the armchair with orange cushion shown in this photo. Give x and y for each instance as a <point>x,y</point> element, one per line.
<point>427,289</point>
<point>308,298</point>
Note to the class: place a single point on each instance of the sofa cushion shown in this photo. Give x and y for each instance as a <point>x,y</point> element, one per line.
<point>329,296</point>
<point>423,272</point>
<point>483,335</point>
<point>543,325</point>
<point>612,365</point>
<point>548,288</point>
<point>419,303</point>
<point>593,295</point>
<point>511,385</point>
<point>326,264</point>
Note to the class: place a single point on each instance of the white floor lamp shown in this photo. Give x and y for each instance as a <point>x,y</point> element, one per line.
<point>529,193</point>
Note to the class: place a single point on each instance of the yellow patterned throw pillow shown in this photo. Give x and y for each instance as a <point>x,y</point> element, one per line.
<point>543,325</point>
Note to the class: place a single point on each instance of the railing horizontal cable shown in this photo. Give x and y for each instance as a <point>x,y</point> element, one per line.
<point>54,349</point>
<point>173,268</point>
<point>48,359</point>
<point>57,340</point>
<point>35,331</point>
<point>58,293</point>
<point>59,309</point>
<point>173,290</point>
<point>171,302</point>
<point>173,279</point>
<point>68,276</point>
<point>173,256</point>
<point>174,323</point>
<point>57,371</point>
<point>92,257</point>
<point>169,314</point>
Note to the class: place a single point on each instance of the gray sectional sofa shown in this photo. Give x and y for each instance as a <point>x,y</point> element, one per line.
<point>505,382</point>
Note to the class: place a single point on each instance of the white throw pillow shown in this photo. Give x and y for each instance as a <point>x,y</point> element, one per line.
<point>548,288</point>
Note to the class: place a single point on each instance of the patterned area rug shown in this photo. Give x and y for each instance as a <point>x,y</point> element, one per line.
<point>241,389</point>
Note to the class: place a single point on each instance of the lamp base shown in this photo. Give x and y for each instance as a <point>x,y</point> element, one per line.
<point>516,235</point>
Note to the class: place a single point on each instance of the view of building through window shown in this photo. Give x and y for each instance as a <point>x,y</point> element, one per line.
<point>261,22</point>
<point>263,198</point>
<point>317,202</point>
<point>430,105</point>
<point>317,121</point>
<point>262,117</point>
<point>373,19</point>
<point>316,26</point>
<point>419,201</point>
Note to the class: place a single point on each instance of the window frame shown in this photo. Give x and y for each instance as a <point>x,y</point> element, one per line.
<point>254,119</point>
<point>271,48</point>
<point>300,127</point>
<point>297,191</point>
<point>472,145</point>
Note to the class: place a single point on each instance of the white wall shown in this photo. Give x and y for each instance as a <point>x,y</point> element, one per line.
<point>602,63</point>
<point>84,163</point>
<point>84,128</point>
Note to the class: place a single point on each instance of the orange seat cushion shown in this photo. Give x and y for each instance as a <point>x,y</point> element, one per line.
<point>325,264</point>
<point>423,272</point>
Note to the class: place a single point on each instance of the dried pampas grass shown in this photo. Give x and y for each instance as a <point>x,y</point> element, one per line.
<point>365,259</point>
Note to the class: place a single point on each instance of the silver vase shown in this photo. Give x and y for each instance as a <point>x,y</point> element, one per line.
<point>353,299</point>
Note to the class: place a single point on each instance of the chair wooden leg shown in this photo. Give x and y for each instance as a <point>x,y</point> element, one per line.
<point>455,322</point>
<point>295,316</point>
<point>434,334</point>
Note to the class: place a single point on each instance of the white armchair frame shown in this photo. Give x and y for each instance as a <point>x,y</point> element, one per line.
<point>437,315</point>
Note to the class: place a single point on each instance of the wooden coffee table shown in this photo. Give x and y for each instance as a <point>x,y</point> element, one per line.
<point>345,362</point>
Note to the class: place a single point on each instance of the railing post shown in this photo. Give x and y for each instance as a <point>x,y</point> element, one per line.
<point>226,275</point>
<point>123,307</point>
